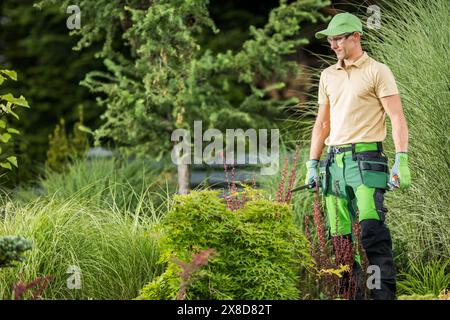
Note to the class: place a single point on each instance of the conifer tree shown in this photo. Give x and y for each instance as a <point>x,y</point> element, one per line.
<point>159,79</point>
<point>59,151</point>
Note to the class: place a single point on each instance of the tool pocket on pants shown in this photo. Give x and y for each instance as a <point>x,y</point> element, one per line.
<point>374,170</point>
<point>324,176</point>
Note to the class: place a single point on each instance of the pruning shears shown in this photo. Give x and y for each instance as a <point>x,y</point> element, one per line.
<point>394,183</point>
<point>306,186</point>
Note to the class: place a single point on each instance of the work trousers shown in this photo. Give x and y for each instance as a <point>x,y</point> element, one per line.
<point>356,181</point>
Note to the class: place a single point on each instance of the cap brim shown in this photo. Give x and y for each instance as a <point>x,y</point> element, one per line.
<point>333,32</point>
<point>329,32</point>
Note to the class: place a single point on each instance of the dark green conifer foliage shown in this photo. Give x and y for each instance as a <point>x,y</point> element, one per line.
<point>160,79</point>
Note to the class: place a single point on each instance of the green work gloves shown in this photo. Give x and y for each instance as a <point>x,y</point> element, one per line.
<point>312,175</point>
<point>400,176</point>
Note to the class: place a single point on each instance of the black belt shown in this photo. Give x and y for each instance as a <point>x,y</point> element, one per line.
<point>340,149</point>
<point>334,150</point>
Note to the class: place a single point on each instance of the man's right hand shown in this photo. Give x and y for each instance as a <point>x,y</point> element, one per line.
<point>312,175</point>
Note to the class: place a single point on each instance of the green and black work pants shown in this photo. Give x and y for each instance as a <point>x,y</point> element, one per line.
<point>354,179</point>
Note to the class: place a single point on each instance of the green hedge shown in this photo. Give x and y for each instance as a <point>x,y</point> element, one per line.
<point>259,250</point>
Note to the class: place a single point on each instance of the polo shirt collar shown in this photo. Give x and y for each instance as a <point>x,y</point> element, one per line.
<point>358,63</point>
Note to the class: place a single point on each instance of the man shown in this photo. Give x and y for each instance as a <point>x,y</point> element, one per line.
<point>354,96</point>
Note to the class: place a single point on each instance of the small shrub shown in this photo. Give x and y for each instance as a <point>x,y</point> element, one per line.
<point>334,259</point>
<point>78,138</point>
<point>59,150</point>
<point>422,278</point>
<point>65,148</point>
<point>259,250</point>
<point>34,288</point>
<point>12,249</point>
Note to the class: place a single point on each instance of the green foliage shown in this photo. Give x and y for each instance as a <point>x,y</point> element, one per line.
<point>12,249</point>
<point>58,152</point>
<point>259,251</point>
<point>163,80</point>
<point>425,278</point>
<point>234,18</point>
<point>8,104</point>
<point>63,148</point>
<point>134,187</point>
<point>79,140</point>
<point>112,250</point>
<point>418,297</point>
<point>38,45</point>
<point>302,202</point>
<point>419,217</point>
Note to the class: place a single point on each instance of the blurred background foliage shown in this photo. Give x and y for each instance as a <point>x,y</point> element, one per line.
<point>36,43</point>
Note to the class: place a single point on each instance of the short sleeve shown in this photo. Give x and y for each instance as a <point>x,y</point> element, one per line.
<point>385,84</point>
<point>322,96</point>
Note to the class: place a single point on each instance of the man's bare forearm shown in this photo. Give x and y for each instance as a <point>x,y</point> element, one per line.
<point>320,132</point>
<point>400,132</point>
<point>393,106</point>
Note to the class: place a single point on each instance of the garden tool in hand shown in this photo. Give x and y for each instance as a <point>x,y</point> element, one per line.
<point>306,186</point>
<point>312,176</point>
<point>393,183</point>
<point>400,177</point>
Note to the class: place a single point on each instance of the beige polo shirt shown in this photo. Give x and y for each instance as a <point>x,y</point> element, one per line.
<point>356,113</point>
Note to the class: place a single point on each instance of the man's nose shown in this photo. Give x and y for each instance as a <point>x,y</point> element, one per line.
<point>334,45</point>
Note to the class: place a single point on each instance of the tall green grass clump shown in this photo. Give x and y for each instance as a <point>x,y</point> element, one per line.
<point>432,277</point>
<point>212,252</point>
<point>118,184</point>
<point>414,42</point>
<point>112,250</point>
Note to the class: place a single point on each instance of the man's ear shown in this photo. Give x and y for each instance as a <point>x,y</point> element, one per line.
<point>357,36</point>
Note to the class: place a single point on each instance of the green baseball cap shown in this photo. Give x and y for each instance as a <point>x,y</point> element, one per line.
<point>341,23</point>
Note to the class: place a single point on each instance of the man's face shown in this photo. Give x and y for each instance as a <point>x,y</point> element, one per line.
<point>342,45</point>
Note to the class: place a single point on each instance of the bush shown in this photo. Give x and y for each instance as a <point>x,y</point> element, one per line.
<point>259,251</point>
<point>419,217</point>
<point>12,249</point>
<point>65,148</point>
<point>112,250</point>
